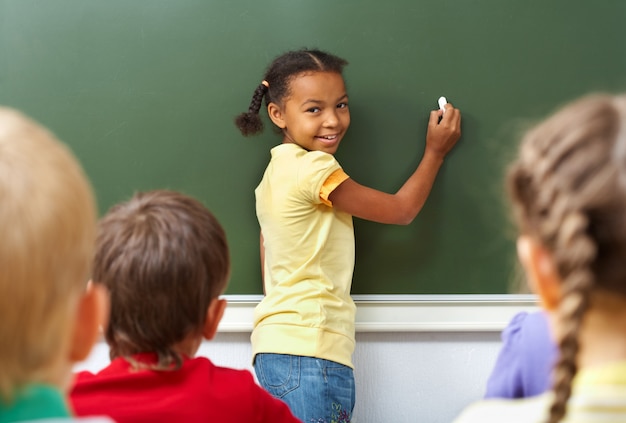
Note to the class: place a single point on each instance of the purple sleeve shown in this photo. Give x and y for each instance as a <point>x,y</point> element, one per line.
<point>524,364</point>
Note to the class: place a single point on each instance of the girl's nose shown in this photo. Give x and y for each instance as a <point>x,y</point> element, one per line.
<point>331,119</point>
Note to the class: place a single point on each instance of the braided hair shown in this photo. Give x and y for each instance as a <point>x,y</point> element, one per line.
<point>568,190</point>
<point>275,85</point>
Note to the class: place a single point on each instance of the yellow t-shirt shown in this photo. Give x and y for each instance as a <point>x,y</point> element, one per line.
<point>309,259</point>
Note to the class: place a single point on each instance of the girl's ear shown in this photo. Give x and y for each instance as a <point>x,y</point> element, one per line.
<point>540,271</point>
<point>92,314</point>
<point>276,115</point>
<point>214,315</point>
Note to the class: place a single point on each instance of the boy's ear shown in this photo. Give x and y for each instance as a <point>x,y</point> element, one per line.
<point>92,314</point>
<point>276,115</point>
<point>541,272</point>
<point>214,315</point>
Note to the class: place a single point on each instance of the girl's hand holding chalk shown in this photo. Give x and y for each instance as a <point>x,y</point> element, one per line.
<point>442,103</point>
<point>443,132</point>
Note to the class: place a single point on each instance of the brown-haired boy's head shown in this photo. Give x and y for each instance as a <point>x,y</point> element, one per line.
<point>164,258</point>
<point>48,317</point>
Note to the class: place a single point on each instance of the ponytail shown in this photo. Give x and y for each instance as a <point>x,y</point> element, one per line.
<point>250,123</point>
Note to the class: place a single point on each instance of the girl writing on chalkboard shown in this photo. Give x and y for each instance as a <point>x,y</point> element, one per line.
<point>568,191</point>
<point>303,336</point>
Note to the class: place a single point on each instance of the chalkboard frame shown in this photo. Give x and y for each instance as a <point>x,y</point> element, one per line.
<point>408,313</point>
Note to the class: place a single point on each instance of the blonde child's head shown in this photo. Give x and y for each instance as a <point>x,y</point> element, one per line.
<point>164,258</point>
<point>47,232</point>
<point>568,190</point>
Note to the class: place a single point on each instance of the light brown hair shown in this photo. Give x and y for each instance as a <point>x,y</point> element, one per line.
<point>47,232</point>
<point>568,190</point>
<point>163,257</point>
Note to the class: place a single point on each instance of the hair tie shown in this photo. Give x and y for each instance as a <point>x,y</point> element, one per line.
<point>264,82</point>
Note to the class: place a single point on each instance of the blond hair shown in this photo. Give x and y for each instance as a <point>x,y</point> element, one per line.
<point>568,190</point>
<point>47,231</point>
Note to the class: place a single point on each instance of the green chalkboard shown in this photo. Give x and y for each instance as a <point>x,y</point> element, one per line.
<point>145,91</point>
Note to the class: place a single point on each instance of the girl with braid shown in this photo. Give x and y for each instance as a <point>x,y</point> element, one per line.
<point>303,336</point>
<point>568,191</point>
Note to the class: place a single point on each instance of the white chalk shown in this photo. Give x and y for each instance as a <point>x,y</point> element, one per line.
<point>442,103</point>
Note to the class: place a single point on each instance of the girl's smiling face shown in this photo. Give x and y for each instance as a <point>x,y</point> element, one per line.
<point>315,114</point>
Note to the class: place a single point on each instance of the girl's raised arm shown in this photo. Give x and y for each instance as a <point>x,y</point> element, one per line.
<point>402,207</point>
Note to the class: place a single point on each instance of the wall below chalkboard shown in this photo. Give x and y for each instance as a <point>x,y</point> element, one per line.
<point>144,92</point>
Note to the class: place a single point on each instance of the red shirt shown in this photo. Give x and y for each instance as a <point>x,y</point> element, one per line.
<point>198,392</point>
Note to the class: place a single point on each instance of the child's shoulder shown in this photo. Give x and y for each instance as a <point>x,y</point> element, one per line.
<point>121,367</point>
<point>294,150</point>
<point>296,157</point>
<point>100,419</point>
<point>226,374</point>
<point>525,410</point>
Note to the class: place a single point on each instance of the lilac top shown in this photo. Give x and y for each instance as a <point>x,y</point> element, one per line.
<point>524,364</point>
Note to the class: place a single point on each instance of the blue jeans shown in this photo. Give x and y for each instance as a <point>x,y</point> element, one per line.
<point>316,390</point>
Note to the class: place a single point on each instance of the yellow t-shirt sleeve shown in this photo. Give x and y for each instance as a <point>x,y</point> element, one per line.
<point>329,185</point>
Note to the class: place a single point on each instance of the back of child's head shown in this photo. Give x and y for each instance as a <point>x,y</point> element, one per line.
<point>568,189</point>
<point>47,231</point>
<point>276,82</point>
<point>163,257</point>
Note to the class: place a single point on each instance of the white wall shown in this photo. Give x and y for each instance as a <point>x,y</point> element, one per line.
<point>416,360</point>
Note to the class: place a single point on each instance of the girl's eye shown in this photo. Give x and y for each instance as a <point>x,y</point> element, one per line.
<point>342,105</point>
<point>314,110</point>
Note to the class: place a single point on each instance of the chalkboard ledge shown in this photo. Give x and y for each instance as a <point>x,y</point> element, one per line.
<point>408,313</point>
